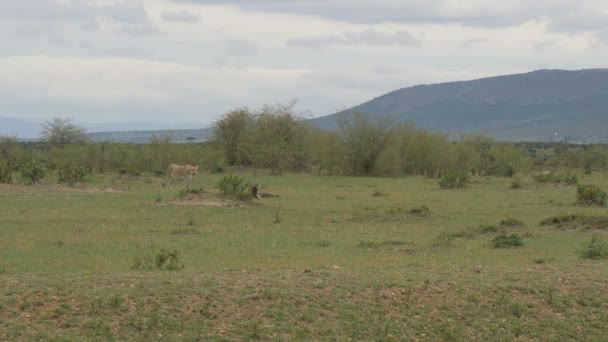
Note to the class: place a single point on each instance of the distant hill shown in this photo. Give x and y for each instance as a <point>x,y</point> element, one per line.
<point>131,132</point>
<point>177,135</point>
<point>19,128</point>
<point>544,105</point>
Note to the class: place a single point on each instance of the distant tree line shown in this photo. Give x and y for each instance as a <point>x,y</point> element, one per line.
<point>277,139</point>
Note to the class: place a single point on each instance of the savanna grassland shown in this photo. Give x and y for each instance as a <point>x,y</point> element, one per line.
<point>326,258</point>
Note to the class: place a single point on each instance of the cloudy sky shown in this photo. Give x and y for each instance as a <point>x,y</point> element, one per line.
<point>189,61</point>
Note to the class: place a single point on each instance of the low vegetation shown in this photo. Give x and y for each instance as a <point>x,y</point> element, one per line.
<point>330,250</point>
<point>116,259</point>
<point>577,221</point>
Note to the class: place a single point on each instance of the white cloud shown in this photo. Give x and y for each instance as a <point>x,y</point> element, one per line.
<point>350,38</point>
<point>564,15</point>
<point>196,59</point>
<point>115,82</point>
<point>180,16</point>
<point>240,47</point>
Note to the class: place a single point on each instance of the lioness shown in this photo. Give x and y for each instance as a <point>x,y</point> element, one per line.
<point>183,172</point>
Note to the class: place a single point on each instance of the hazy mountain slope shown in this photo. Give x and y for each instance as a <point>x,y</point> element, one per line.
<point>531,106</point>
<point>19,128</point>
<point>177,135</point>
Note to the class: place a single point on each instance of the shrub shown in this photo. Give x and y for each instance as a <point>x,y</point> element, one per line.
<point>590,195</point>
<point>234,187</point>
<point>6,173</point>
<point>454,180</point>
<point>517,184</point>
<point>595,249</point>
<point>32,172</point>
<point>160,259</point>
<point>71,174</point>
<point>507,241</point>
<point>158,172</point>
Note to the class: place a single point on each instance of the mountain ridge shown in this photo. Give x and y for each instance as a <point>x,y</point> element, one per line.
<point>540,105</point>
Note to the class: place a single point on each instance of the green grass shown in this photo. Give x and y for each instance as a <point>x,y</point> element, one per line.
<point>326,259</point>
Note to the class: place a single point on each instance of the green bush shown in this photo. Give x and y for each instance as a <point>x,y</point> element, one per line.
<point>32,172</point>
<point>595,249</point>
<point>71,174</point>
<point>6,173</point>
<point>454,180</point>
<point>590,195</point>
<point>507,241</point>
<point>234,187</point>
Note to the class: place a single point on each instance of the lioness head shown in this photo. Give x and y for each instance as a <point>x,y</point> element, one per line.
<point>193,170</point>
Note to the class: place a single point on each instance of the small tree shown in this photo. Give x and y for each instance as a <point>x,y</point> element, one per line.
<point>365,140</point>
<point>280,138</point>
<point>482,146</point>
<point>232,131</point>
<point>508,159</point>
<point>61,132</point>
<point>32,172</point>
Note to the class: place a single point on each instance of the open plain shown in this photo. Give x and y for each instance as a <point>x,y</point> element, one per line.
<point>324,258</point>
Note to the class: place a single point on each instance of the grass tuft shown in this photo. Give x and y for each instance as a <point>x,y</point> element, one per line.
<point>507,241</point>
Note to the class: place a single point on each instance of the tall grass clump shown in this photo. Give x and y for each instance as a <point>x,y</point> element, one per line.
<point>590,195</point>
<point>6,173</point>
<point>234,187</point>
<point>595,249</point>
<point>517,184</point>
<point>160,259</point>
